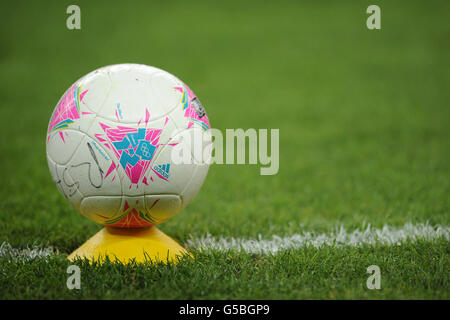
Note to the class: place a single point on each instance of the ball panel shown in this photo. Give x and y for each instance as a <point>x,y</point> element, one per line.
<point>65,183</point>
<point>193,187</point>
<point>130,212</point>
<point>200,143</point>
<point>164,86</point>
<point>166,176</point>
<point>162,207</point>
<point>62,145</point>
<point>137,90</point>
<point>129,97</point>
<point>96,87</point>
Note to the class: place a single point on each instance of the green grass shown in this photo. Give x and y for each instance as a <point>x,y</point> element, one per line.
<point>364,123</point>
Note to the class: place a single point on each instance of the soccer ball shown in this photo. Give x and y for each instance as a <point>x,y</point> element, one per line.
<point>109,145</point>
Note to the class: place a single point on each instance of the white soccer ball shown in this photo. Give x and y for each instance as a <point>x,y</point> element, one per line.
<point>109,145</point>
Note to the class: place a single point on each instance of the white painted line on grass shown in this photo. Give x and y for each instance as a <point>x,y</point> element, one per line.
<point>340,237</point>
